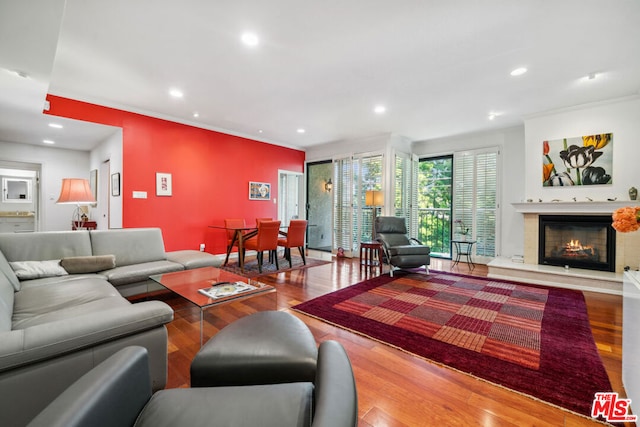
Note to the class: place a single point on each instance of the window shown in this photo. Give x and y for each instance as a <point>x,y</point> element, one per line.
<point>405,196</point>
<point>343,204</point>
<point>475,197</point>
<point>352,177</point>
<point>435,184</point>
<point>460,187</point>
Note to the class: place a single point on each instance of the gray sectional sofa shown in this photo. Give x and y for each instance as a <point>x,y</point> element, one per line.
<point>63,309</point>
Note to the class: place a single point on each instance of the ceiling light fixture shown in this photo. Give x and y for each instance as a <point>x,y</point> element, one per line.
<point>250,39</point>
<point>55,125</point>
<point>48,141</point>
<point>176,93</point>
<point>518,71</point>
<point>300,130</point>
<point>196,114</point>
<point>493,115</point>
<point>380,109</point>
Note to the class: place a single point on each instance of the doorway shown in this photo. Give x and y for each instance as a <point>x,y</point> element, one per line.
<point>289,195</point>
<point>319,205</point>
<point>20,196</point>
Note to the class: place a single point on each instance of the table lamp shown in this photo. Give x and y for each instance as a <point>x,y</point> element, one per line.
<point>374,198</point>
<point>76,191</point>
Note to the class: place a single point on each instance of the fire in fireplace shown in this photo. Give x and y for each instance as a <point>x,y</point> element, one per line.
<point>581,241</point>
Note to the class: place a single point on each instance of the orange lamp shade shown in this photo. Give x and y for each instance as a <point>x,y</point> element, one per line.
<point>75,190</point>
<point>374,198</point>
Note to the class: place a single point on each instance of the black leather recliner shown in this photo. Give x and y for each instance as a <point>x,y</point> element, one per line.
<point>400,251</point>
<point>118,393</point>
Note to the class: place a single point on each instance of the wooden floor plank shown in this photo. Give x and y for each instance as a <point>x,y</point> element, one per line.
<point>399,389</point>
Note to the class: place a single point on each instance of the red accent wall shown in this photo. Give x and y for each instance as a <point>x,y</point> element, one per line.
<point>210,174</point>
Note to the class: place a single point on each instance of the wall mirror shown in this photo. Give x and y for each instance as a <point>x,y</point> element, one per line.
<point>16,190</point>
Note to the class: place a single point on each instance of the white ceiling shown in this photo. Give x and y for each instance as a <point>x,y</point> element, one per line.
<point>440,67</point>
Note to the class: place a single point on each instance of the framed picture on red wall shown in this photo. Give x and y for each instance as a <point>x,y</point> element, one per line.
<point>259,190</point>
<point>163,184</point>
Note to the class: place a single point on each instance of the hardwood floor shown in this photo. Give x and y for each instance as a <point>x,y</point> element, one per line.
<point>396,388</point>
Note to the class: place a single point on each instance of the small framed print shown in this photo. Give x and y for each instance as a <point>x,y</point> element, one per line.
<point>163,184</point>
<point>115,184</point>
<point>259,190</point>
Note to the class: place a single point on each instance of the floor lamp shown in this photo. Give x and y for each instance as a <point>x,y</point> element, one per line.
<point>75,191</point>
<point>374,198</point>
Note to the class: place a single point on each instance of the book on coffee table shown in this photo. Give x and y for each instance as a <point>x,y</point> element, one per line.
<point>226,289</point>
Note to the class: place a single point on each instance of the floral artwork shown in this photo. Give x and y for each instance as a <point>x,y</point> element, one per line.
<point>584,160</point>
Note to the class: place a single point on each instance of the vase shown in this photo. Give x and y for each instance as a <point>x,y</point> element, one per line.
<point>633,193</point>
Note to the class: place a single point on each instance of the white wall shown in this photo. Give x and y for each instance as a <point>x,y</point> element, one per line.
<point>620,117</point>
<point>56,164</point>
<point>362,145</point>
<point>510,236</point>
<point>110,150</point>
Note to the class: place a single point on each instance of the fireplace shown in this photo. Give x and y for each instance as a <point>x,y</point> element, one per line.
<point>581,241</point>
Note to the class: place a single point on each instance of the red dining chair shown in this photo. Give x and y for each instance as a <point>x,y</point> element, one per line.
<point>294,239</point>
<point>232,225</point>
<point>258,221</point>
<point>265,240</point>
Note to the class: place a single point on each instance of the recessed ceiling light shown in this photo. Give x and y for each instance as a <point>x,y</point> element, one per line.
<point>300,130</point>
<point>259,130</point>
<point>250,39</point>
<point>176,93</point>
<point>48,141</point>
<point>55,125</point>
<point>519,71</point>
<point>493,115</point>
<point>379,109</point>
<point>196,114</point>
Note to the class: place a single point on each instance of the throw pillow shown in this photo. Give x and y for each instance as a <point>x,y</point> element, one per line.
<point>27,270</point>
<point>88,264</point>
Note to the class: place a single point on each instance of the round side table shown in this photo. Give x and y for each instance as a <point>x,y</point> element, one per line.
<point>464,247</point>
<point>371,255</point>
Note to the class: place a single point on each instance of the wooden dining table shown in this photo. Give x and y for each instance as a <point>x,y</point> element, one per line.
<point>240,234</point>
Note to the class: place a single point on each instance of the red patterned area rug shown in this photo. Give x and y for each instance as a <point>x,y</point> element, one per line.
<point>532,339</point>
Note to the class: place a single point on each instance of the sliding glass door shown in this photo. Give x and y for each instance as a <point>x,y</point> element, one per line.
<point>435,189</point>
<point>459,193</point>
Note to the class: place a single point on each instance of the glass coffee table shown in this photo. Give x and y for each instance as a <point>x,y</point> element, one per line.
<point>211,287</point>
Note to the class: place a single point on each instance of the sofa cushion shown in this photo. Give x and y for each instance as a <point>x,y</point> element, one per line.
<point>6,303</point>
<point>7,271</point>
<point>27,270</point>
<point>191,259</point>
<point>88,264</point>
<point>45,245</point>
<point>139,272</point>
<point>409,250</point>
<point>44,304</point>
<point>129,245</point>
<point>48,281</point>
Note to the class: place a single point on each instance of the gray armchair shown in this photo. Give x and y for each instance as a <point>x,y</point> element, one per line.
<point>118,393</point>
<point>400,251</point>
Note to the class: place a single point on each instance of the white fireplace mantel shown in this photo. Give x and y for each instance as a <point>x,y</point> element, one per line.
<point>560,208</point>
